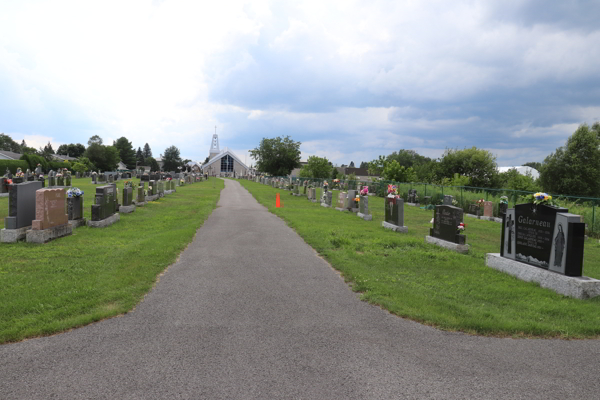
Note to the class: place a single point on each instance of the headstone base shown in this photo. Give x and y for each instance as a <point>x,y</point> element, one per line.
<point>395,228</point>
<point>46,235</point>
<point>76,223</point>
<point>142,204</point>
<point>105,222</point>
<point>4,194</point>
<point>127,209</point>
<point>341,209</point>
<point>413,204</point>
<point>325,205</point>
<point>314,200</point>
<point>365,217</point>
<point>169,192</point>
<point>494,219</point>
<point>151,198</point>
<point>459,248</point>
<point>470,215</point>
<point>13,235</point>
<point>354,210</point>
<point>580,287</point>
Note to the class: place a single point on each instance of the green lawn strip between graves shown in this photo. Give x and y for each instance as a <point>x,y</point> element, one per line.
<point>96,273</point>
<point>431,285</point>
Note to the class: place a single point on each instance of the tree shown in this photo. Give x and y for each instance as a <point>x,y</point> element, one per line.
<point>573,169</point>
<point>376,166</point>
<point>95,140</point>
<point>152,163</point>
<point>278,156</point>
<point>63,150</point>
<point>126,152</point>
<point>351,164</point>
<point>83,164</point>
<point>534,164</point>
<point>477,164</point>
<point>139,156</point>
<point>408,158</point>
<point>171,159</point>
<point>334,173</point>
<point>147,152</point>
<point>105,158</point>
<point>364,165</point>
<point>7,144</point>
<point>76,150</point>
<point>393,171</point>
<point>316,167</point>
<point>512,179</point>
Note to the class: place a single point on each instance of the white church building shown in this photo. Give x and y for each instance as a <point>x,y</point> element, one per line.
<point>223,162</point>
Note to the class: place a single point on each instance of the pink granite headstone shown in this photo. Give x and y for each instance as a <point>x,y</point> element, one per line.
<point>488,209</point>
<point>49,209</point>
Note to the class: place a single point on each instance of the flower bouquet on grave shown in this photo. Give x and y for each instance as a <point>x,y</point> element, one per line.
<point>357,201</point>
<point>364,191</point>
<point>541,198</point>
<point>336,183</point>
<point>392,192</point>
<point>503,200</point>
<point>19,173</point>
<point>480,203</point>
<point>461,228</point>
<point>74,192</point>
<point>454,202</point>
<point>128,184</point>
<point>182,181</point>
<point>168,179</point>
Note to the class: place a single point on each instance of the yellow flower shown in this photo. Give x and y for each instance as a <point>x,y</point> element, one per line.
<point>549,197</point>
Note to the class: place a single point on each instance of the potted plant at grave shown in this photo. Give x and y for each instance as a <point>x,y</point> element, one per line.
<point>357,201</point>
<point>74,192</point>
<point>460,237</point>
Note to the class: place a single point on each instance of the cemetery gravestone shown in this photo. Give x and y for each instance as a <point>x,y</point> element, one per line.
<point>75,211</point>
<point>104,212</point>
<point>413,198</point>
<point>3,187</point>
<point>488,209</point>
<point>127,206</point>
<point>51,221</point>
<point>446,220</point>
<point>21,211</point>
<point>394,215</point>
<point>447,200</point>
<point>350,204</point>
<point>363,208</point>
<point>341,201</point>
<point>51,178</point>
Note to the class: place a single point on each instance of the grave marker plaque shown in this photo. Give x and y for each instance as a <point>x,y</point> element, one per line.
<point>49,209</point>
<point>488,209</point>
<point>21,205</point>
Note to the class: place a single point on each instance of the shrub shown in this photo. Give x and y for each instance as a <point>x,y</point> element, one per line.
<point>12,165</point>
<point>33,160</point>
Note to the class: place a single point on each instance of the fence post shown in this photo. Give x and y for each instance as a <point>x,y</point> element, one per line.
<point>486,195</point>
<point>593,215</point>
<point>425,189</point>
<point>461,197</point>
<point>442,191</point>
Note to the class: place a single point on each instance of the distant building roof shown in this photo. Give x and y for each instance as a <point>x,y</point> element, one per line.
<point>63,157</point>
<point>221,154</point>
<point>523,170</point>
<point>9,155</point>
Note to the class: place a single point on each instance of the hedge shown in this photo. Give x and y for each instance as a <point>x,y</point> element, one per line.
<point>12,165</point>
<point>33,160</point>
<point>56,165</point>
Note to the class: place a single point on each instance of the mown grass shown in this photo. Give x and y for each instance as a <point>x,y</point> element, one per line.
<point>96,273</point>
<point>431,285</point>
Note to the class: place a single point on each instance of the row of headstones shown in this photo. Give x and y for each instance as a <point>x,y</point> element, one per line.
<point>547,237</point>
<point>38,214</point>
<point>107,177</point>
<point>157,176</point>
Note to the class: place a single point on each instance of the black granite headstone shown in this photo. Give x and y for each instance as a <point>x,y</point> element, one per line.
<point>127,196</point>
<point>75,207</point>
<point>544,236</point>
<point>106,204</point>
<point>445,224</point>
<point>394,211</point>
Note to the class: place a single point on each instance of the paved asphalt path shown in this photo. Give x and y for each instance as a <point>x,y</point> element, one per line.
<point>251,312</point>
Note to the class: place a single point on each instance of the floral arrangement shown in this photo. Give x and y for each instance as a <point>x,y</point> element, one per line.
<point>357,199</point>
<point>325,183</point>
<point>364,191</point>
<point>74,192</point>
<point>8,181</point>
<point>169,179</point>
<point>541,198</point>
<point>19,173</point>
<point>58,175</point>
<point>503,200</point>
<point>454,202</point>
<point>480,202</point>
<point>181,181</point>
<point>461,228</point>
<point>392,191</point>
<point>128,184</point>
<point>41,177</point>
<point>145,193</point>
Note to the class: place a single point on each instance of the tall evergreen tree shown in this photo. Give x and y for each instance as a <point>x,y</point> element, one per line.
<point>147,152</point>
<point>126,152</point>
<point>139,156</point>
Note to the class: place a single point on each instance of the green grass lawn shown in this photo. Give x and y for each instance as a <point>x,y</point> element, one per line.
<point>96,273</point>
<point>431,285</point>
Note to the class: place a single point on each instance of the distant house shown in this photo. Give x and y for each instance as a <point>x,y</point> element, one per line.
<point>361,173</point>
<point>122,166</point>
<point>296,171</point>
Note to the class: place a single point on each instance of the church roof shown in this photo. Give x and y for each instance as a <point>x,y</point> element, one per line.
<point>220,155</point>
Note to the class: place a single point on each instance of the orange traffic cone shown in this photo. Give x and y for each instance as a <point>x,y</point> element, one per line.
<point>278,201</point>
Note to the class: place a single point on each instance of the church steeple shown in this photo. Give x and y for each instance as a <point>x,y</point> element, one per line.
<point>214,147</point>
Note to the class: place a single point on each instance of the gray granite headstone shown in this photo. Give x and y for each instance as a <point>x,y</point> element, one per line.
<point>21,205</point>
<point>106,204</point>
<point>394,211</point>
<point>445,224</point>
<point>447,200</point>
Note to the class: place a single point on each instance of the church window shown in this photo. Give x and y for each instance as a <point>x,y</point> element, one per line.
<point>227,163</point>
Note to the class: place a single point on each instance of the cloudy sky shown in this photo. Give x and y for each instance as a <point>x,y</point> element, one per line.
<point>351,80</point>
